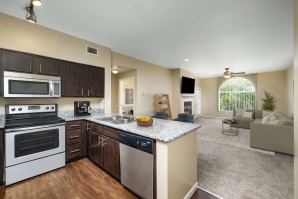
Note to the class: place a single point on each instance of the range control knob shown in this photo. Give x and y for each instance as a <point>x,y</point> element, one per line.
<point>20,109</point>
<point>13,109</point>
<point>47,108</point>
<point>52,107</point>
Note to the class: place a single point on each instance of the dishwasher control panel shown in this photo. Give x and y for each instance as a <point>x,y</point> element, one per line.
<point>139,142</point>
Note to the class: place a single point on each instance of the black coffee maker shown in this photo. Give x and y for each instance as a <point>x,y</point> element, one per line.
<point>82,108</point>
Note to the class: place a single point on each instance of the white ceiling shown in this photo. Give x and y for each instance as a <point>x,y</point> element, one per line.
<point>245,35</point>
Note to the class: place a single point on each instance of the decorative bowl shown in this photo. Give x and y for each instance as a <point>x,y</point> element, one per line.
<point>144,123</point>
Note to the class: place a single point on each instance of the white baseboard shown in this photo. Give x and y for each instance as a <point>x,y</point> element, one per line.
<point>191,191</point>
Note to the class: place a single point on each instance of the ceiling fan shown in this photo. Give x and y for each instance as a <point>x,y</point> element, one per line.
<point>227,74</point>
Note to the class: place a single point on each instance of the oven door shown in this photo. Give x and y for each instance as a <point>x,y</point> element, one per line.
<point>34,143</point>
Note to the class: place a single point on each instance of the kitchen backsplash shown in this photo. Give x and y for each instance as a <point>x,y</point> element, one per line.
<point>64,104</point>
<point>71,112</point>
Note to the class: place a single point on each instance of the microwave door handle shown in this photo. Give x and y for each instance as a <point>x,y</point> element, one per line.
<point>51,88</point>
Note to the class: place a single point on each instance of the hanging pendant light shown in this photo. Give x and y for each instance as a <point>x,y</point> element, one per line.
<point>30,16</point>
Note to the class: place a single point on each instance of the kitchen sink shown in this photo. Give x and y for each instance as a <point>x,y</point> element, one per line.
<point>115,120</point>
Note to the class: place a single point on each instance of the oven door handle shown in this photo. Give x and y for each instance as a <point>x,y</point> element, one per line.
<point>33,127</point>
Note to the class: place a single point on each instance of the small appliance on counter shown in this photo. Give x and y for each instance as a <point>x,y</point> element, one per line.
<point>82,108</point>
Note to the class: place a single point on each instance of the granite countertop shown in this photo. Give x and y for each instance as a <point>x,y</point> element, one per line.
<point>161,130</point>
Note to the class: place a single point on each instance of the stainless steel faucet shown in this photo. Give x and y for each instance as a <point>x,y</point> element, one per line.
<point>124,114</point>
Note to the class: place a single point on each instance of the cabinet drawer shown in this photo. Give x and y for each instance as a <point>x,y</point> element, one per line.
<point>74,125</point>
<point>75,136</point>
<point>96,128</point>
<point>75,150</point>
<point>112,133</point>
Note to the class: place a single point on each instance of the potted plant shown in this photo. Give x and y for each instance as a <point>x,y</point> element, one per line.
<point>269,101</point>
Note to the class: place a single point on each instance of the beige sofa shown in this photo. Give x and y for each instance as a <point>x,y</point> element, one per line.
<point>273,137</point>
<point>243,122</point>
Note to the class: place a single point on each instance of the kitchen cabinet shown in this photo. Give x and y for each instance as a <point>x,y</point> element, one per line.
<point>73,80</point>
<point>103,148</point>
<point>29,63</point>
<point>95,144</point>
<point>79,80</point>
<point>95,81</point>
<point>75,139</point>
<point>17,61</point>
<point>46,66</point>
<point>111,157</point>
<point>1,156</point>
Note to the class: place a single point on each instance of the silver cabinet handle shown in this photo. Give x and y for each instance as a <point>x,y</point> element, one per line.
<point>88,126</point>
<point>30,67</point>
<point>82,92</point>
<point>74,126</point>
<point>102,142</point>
<point>75,151</point>
<point>73,137</point>
<point>39,68</point>
<point>99,140</point>
<point>88,92</point>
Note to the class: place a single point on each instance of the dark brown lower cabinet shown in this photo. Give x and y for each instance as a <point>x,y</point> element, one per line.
<point>96,150</point>
<point>1,157</point>
<point>103,150</point>
<point>75,140</point>
<point>111,157</point>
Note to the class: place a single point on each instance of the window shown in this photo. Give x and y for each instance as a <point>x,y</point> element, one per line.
<point>237,93</point>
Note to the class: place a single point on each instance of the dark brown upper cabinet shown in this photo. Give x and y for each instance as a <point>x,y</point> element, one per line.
<point>95,81</point>
<point>79,80</point>
<point>17,61</point>
<point>73,80</point>
<point>46,66</point>
<point>28,63</point>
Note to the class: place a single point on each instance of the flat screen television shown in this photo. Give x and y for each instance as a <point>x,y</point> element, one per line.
<point>187,85</point>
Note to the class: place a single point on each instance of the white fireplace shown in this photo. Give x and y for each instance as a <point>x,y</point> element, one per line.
<point>187,105</point>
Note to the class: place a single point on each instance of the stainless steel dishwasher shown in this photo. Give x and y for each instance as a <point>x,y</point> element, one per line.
<point>136,164</point>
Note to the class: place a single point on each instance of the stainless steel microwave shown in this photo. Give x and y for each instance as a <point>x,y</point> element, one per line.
<point>31,85</point>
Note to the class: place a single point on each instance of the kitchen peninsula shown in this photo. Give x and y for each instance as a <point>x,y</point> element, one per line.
<point>175,152</point>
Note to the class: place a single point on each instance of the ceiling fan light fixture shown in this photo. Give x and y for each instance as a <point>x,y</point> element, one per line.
<point>36,2</point>
<point>30,16</point>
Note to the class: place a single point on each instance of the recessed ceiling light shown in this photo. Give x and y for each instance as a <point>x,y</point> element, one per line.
<point>186,60</point>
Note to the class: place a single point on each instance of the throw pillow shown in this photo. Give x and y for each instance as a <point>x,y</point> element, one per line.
<point>273,117</point>
<point>274,122</point>
<point>247,114</point>
<point>265,120</point>
<point>239,112</point>
<point>266,113</point>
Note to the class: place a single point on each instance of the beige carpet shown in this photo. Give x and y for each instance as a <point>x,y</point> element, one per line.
<point>211,131</point>
<point>229,169</point>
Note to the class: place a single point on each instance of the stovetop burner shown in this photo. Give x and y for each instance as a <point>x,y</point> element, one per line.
<point>20,116</point>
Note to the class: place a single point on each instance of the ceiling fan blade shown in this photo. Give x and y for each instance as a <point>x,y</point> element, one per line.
<point>239,73</point>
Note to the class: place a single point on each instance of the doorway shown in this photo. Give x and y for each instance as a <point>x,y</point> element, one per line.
<point>127,95</point>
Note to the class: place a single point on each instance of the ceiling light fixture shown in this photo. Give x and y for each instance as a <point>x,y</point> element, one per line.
<point>30,16</point>
<point>36,2</point>
<point>115,69</point>
<point>186,60</point>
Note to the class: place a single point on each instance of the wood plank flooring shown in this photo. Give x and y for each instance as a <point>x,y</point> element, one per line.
<point>78,180</point>
<point>201,194</point>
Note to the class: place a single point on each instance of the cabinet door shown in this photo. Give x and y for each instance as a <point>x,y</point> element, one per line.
<point>46,66</point>
<point>73,80</point>
<point>17,61</point>
<point>111,162</point>
<point>96,151</point>
<point>95,81</point>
